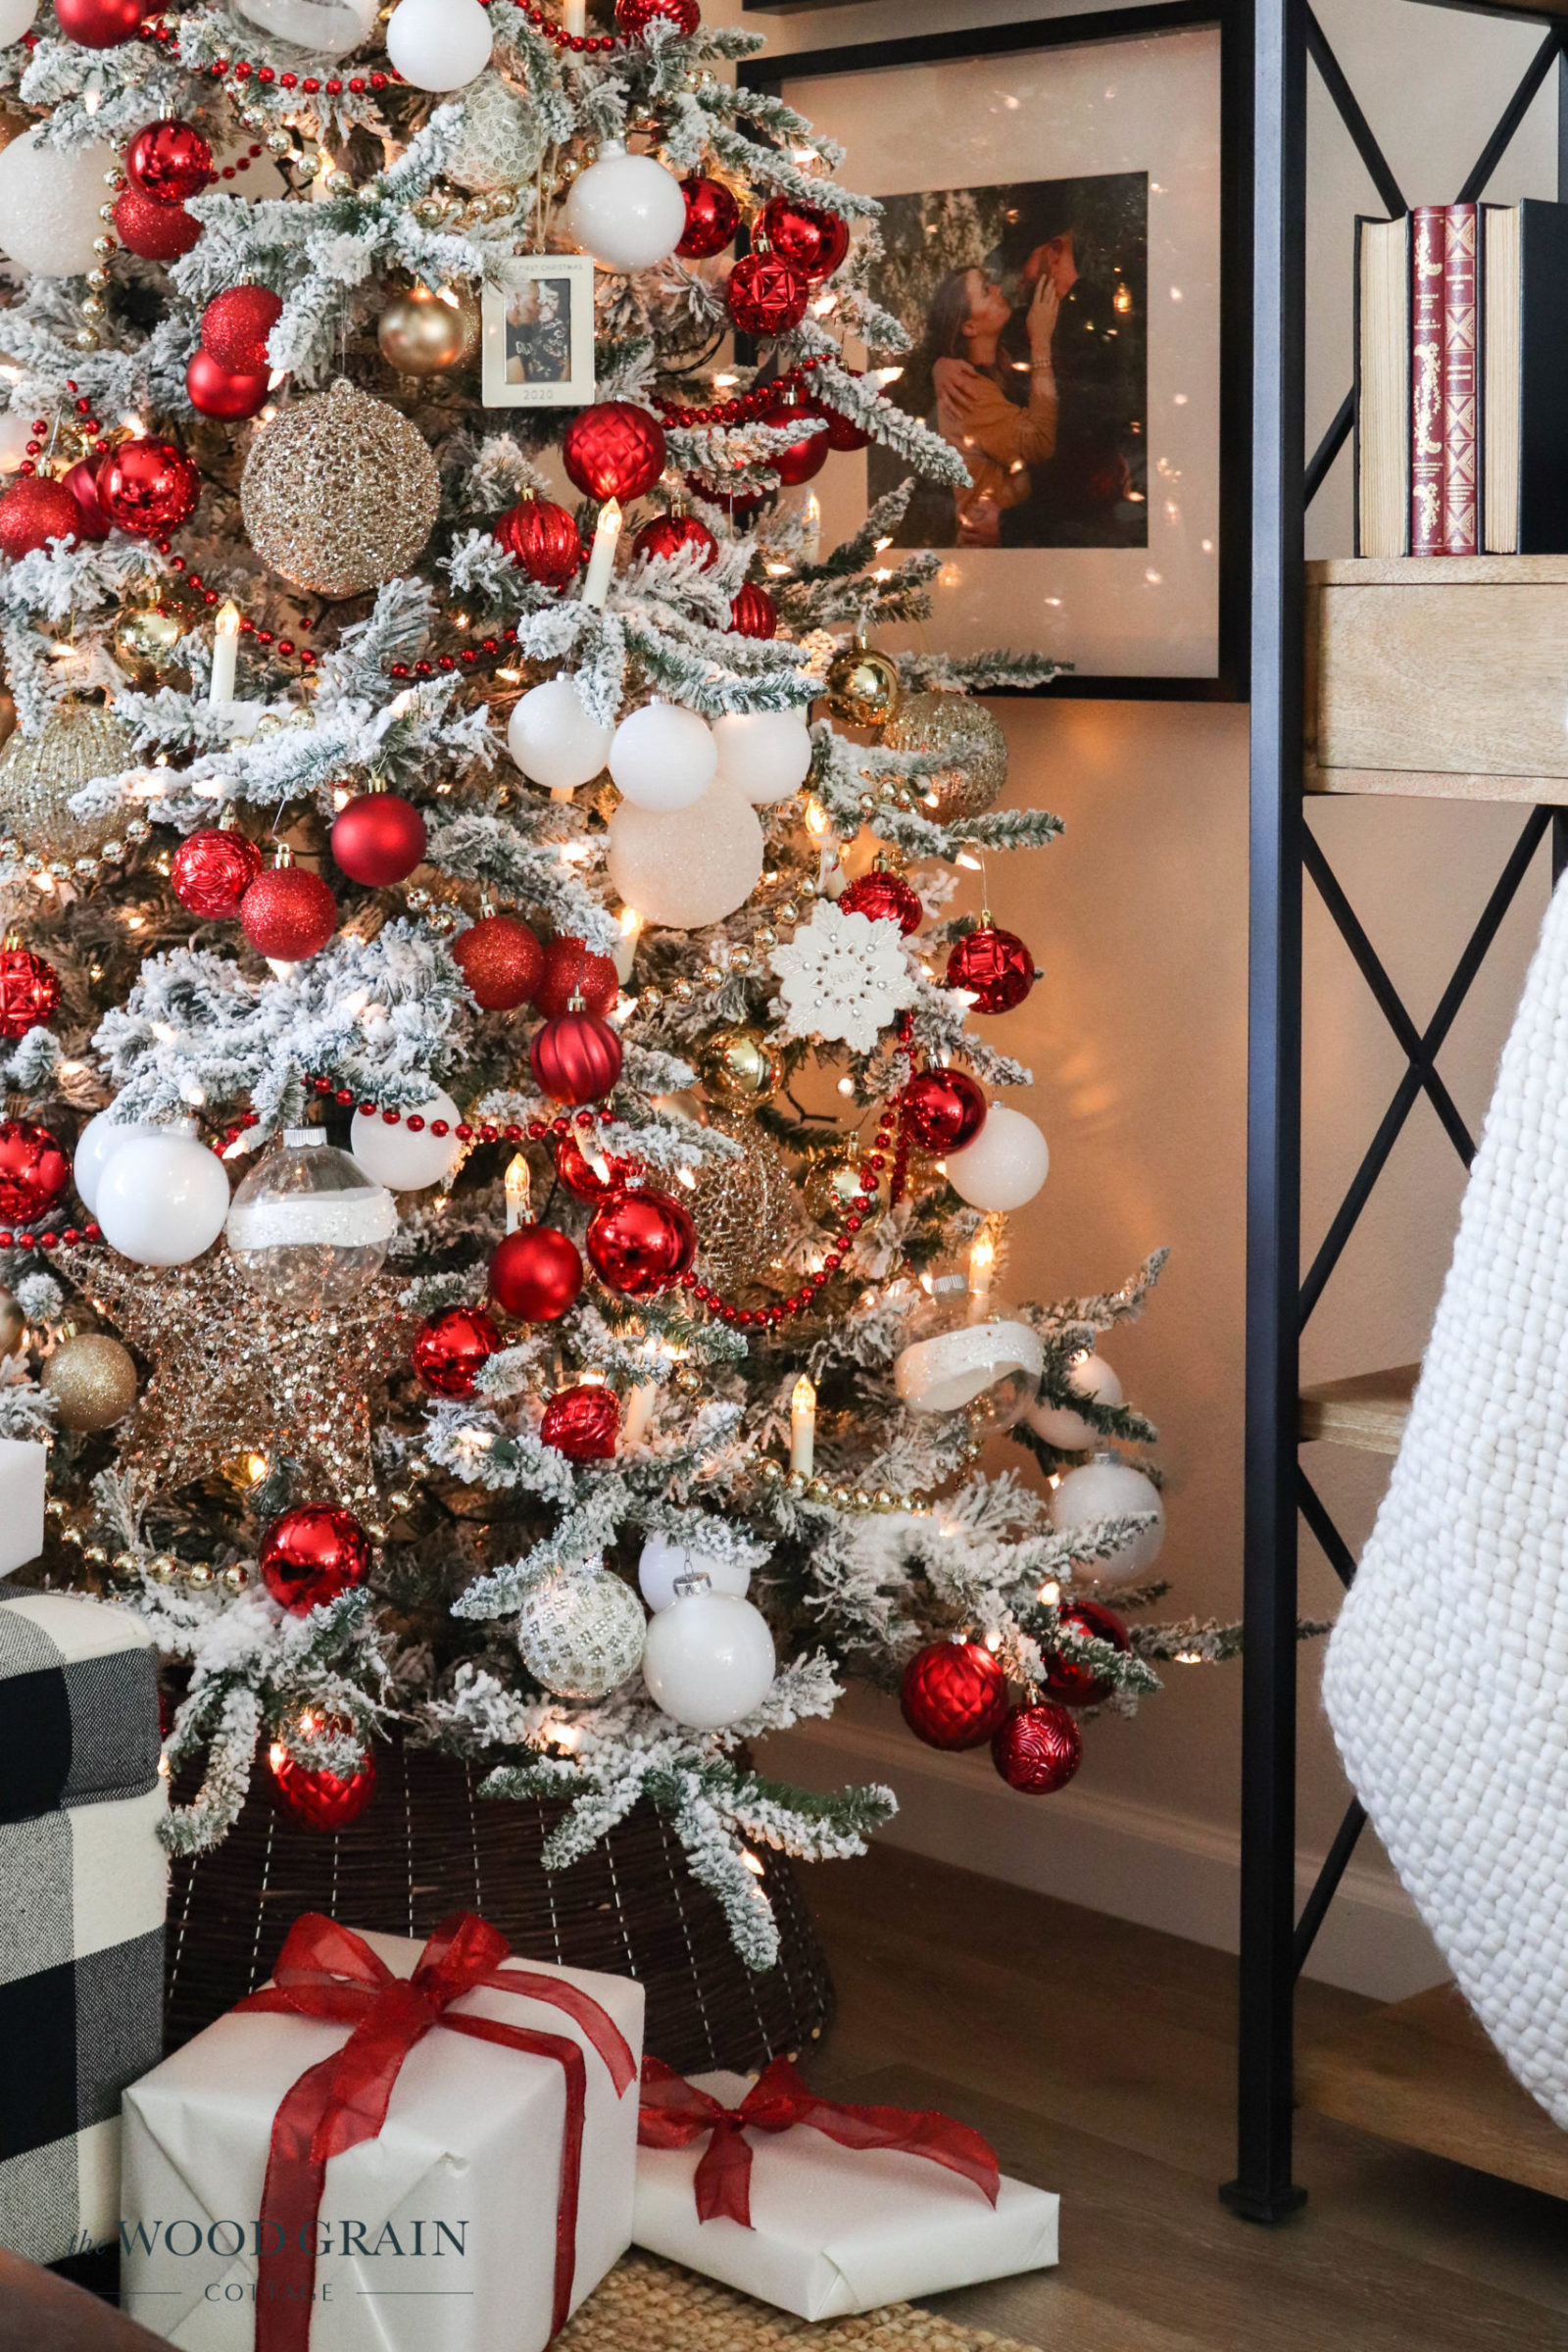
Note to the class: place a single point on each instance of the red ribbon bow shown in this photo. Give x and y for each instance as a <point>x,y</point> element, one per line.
<point>327,1971</point>
<point>674,2112</point>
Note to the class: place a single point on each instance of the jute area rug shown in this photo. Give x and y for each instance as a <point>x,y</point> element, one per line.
<point>646,2305</point>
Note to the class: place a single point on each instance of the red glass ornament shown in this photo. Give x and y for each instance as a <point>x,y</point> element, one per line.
<point>995,967</point>
<point>668,535</point>
<point>884,898</point>
<point>811,238</point>
<point>170,161</point>
<point>543,539</point>
<point>82,483</point>
<point>614,450</point>
<point>576,1058</point>
<point>739,505</point>
<point>215,391</point>
<point>148,487</point>
<point>99,24</point>
<point>765,295</point>
<point>29,991</point>
<point>1038,1749</point>
<point>954,1695</point>
<point>582,1423</point>
<point>288,913</point>
<point>1079,1686</point>
<point>34,1172</point>
<point>537,1274</point>
<point>581,1177</point>
<point>804,458</point>
<point>157,232</point>
<point>211,870</point>
<point>841,432</point>
<point>379,839</point>
<point>753,612</point>
<point>236,326</point>
<point>945,1109</point>
<point>569,970</point>
<point>501,959</point>
<point>34,512</point>
<point>713,217</point>
<point>640,1242</point>
<point>448,1349</point>
<point>633,16</point>
<point>321,1800</point>
<point>313,1553</point>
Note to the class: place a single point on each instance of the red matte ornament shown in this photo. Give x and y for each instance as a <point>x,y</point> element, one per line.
<point>82,483</point>
<point>614,450</point>
<point>1079,1686</point>
<point>633,16</point>
<point>540,538</point>
<point>809,237</point>
<point>954,1695</point>
<point>29,991</point>
<point>582,1423</point>
<point>448,1349</point>
<point>215,391</point>
<point>537,1274</point>
<point>995,967</point>
<point>236,326</point>
<point>157,232</point>
<point>99,24</point>
<point>170,161</point>
<point>211,870</point>
<point>945,1109</point>
<point>804,458</point>
<point>884,898</point>
<point>668,535</point>
<point>322,1800</point>
<point>379,839</point>
<point>753,612</point>
<point>766,297</point>
<point>501,959</point>
<point>34,512</point>
<point>569,970</point>
<point>288,913</point>
<point>1038,1749</point>
<point>33,1170</point>
<point>576,1058</point>
<point>713,217</point>
<point>582,1178</point>
<point>640,1242</point>
<point>148,487</point>
<point>313,1553</point>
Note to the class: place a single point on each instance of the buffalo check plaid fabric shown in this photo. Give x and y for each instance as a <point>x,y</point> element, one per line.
<point>81,1909</point>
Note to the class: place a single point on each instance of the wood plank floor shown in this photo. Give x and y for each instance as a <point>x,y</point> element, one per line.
<point>1098,2058</point>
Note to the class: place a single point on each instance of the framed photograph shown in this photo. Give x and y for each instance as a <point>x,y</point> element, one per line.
<point>1064,227</point>
<point>539,334</point>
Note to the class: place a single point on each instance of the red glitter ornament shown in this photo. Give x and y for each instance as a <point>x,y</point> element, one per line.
<point>812,239</point>
<point>766,297</point>
<point>582,1178</point>
<point>448,1349</point>
<point>30,990</point>
<point>288,913</point>
<point>614,450</point>
<point>640,1242</point>
<point>884,898</point>
<point>215,391</point>
<point>379,839</point>
<point>954,1695</point>
<point>576,1058</point>
<point>668,535</point>
<point>1079,1686</point>
<point>148,487</point>
<point>713,217</point>
<point>633,16</point>
<point>945,1109</point>
<point>211,870</point>
<point>501,959</point>
<point>321,1800</point>
<point>236,326</point>
<point>841,432</point>
<point>582,1423</point>
<point>170,161</point>
<point>313,1553</point>
<point>753,612</point>
<point>804,458</point>
<point>542,539</point>
<point>82,483</point>
<point>99,24</point>
<point>995,967</point>
<point>1038,1749</point>
<point>155,232</point>
<point>537,1274</point>
<point>34,1172</point>
<point>569,970</point>
<point>34,512</point>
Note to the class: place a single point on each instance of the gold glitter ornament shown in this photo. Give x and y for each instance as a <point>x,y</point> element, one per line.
<point>936,722</point>
<point>831,1190</point>
<point>421,334</point>
<point>740,1070</point>
<point>92,1381</point>
<point>745,1209</point>
<point>862,686</point>
<point>39,773</point>
<point>339,493</point>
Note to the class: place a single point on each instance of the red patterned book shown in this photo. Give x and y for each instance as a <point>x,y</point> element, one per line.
<point>1457,432</point>
<point>1427,246</point>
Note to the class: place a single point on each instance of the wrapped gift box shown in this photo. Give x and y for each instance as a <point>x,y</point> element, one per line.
<point>440,2233</point>
<point>82,1890</point>
<point>839,2230</point>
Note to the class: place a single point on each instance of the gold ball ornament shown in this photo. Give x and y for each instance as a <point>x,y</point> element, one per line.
<point>7,714</point>
<point>92,1381</point>
<point>13,1324</point>
<point>862,686</point>
<point>144,642</point>
<point>937,722</point>
<point>744,1209</point>
<point>339,493</point>
<point>39,773</point>
<point>740,1070</point>
<point>420,333</point>
<point>831,1190</point>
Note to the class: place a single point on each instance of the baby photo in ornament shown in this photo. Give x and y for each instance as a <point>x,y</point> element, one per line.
<point>539,334</point>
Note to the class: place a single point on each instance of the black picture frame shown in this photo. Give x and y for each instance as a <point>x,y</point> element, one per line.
<point>1231,18</point>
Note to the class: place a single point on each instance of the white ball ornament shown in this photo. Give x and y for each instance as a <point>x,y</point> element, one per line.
<point>15,18</point>
<point>439,44</point>
<point>580,1631</point>
<point>96,1145</point>
<point>708,1660</point>
<point>692,866</point>
<point>766,753</point>
<point>329,27</point>
<point>1091,1377</point>
<point>553,739</point>
<point>163,1197</point>
<point>663,1560</point>
<point>662,758</point>
<point>1004,1166</point>
<point>49,200</point>
<point>625,210</point>
<point>1106,1488</point>
<point>16,431</point>
<point>407,1159</point>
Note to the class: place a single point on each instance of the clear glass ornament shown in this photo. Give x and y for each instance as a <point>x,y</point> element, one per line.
<point>308,1226</point>
<point>961,1351</point>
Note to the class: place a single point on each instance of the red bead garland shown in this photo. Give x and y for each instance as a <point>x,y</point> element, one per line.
<point>746,407</point>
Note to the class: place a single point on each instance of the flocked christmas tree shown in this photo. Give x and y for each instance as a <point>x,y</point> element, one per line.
<point>608,1324</point>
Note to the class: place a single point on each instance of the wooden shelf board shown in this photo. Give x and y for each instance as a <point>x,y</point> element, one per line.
<point>1422,784</point>
<point>1440,572</point>
<point>1367,1411</point>
<point>1423,2073</point>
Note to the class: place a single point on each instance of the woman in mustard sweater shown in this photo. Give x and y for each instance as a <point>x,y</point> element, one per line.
<point>981,406</point>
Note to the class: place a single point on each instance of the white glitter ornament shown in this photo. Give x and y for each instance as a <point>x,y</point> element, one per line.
<point>409,1158</point>
<point>1091,1377</point>
<point>553,740</point>
<point>692,866</point>
<point>709,1659</point>
<point>49,200</point>
<point>308,1226</point>
<point>339,493</point>
<point>766,753</point>
<point>625,210</point>
<point>500,141</point>
<point>1109,1488</point>
<point>843,976</point>
<point>580,1631</point>
<point>328,27</point>
<point>439,44</point>
<point>662,758</point>
<point>1004,1166</point>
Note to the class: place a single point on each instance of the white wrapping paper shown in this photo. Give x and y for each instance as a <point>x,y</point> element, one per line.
<point>473,2139</point>
<point>837,2230</point>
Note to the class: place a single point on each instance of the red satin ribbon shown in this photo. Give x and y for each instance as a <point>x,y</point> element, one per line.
<point>327,1971</point>
<point>674,2112</point>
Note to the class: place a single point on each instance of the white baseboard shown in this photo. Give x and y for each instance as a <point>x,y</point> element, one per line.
<point>1162,1869</point>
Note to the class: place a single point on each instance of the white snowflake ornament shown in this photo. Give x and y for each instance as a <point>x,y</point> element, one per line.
<point>843,976</point>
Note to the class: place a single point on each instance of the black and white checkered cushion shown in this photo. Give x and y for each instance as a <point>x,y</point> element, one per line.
<point>83,1882</point>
